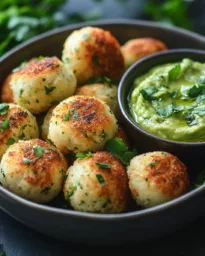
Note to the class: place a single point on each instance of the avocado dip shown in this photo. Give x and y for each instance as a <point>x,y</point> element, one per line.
<point>169,101</point>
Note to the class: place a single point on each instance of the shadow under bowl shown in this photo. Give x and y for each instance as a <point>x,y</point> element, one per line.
<point>191,153</point>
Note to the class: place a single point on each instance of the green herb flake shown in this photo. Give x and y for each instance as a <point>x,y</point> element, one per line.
<point>194,91</point>
<point>66,117</point>
<point>75,116</point>
<point>5,124</point>
<point>165,111</point>
<point>95,60</point>
<point>148,92</point>
<point>120,150</point>
<point>10,141</point>
<point>82,155</point>
<point>21,92</point>
<point>38,151</point>
<point>26,160</point>
<point>103,165</point>
<point>40,57</point>
<point>190,119</point>
<point>175,72</point>
<point>49,90</point>
<point>3,108</point>
<point>100,179</point>
<point>45,190</point>
<point>43,79</point>
<point>174,94</point>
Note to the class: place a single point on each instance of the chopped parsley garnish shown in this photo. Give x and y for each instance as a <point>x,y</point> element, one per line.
<point>5,124</point>
<point>189,118</point>
<point>174,72</point>
<point>26,160</point>
<point>103,165</point>
<point>66,117</point>
<point>165,111</point>
<point>3,108</point>
<point>148,93</point>
<point>40,57</point>
<point>38,151</point>
<point>95,60</point>
<point>71,190</point>
<point>75,115</point>
<point>118,148</point>
<point>49,90</point>
<point>21,92</point>
<point>174,94</point>
<point>45,190</point>
<point>82,155</point>
<point>199,110</point>
<point>10,141</point>
<point>100,179</point>
<point>194,91</point>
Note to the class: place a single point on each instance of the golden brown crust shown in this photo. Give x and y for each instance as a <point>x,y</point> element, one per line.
<point>35,66</point>
<point>15,119</point>
<point>121,134</point>
<point>42,166</point>
<point>6,92</point>
<point>168,173</point>
<point>143,46</point>
<point>111,67</point>
<point>86,114</point>
<point>115,175</point>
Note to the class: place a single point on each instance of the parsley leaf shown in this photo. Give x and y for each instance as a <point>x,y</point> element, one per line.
<point>199,110</point>
<point>38,151</point>
<point>177,108</point>
<point>190,118</point>
<point>5,124</point>
<point>174,94</point>
<point>26,160</point>
<point>100,179</point>
<point>165,111</point>
<point>148,92</point>
<point>49,90</point>
<point>3,108</point>
<point>10,141</point>
<point>118,148</point>
<point>66,117</point>
<point>103,165</point>
<point>196,90</point>
<point>174,72</point>
<point>82,155</point>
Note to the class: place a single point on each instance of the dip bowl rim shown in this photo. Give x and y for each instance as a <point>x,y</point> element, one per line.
<point>128,78</point>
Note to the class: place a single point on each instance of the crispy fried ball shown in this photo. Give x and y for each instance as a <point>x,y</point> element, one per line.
<point>135,49</point>
<point>45,125</point>
<point>42,83</point>
<point>16,124</point>
<point>121,134</point>
<point>156,177</point>
<point>6,92</point>
<point>105,92</point>
<point>91,52</point>
<point>33,169</point>
<point>97,184</point>
<point>81,123</point>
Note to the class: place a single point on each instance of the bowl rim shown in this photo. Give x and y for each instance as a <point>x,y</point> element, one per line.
<point>129,73</point>
<point>97,216</point>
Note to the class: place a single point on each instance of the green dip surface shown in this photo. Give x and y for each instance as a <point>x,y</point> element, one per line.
<point>169,101</point>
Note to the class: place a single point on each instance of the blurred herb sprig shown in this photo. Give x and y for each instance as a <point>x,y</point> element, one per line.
<point>23,19</point>
<point>173,12</point>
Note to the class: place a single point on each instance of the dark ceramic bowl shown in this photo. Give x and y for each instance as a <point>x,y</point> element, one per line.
<point>90,228</point>
<point>191,153</point>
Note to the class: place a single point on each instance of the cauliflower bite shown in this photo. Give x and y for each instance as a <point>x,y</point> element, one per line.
<point>6,92</point>
<point>16,124</point>
<point>135,49</point>
<point>121,134</point>
<point>105,92</point>
<point>97,184</point>
<point>41,83</point>
<point>91,52</point>
<point>45,125</point>
<point>33,169</point>
<point>80,124</point>
<point>156,177</point>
